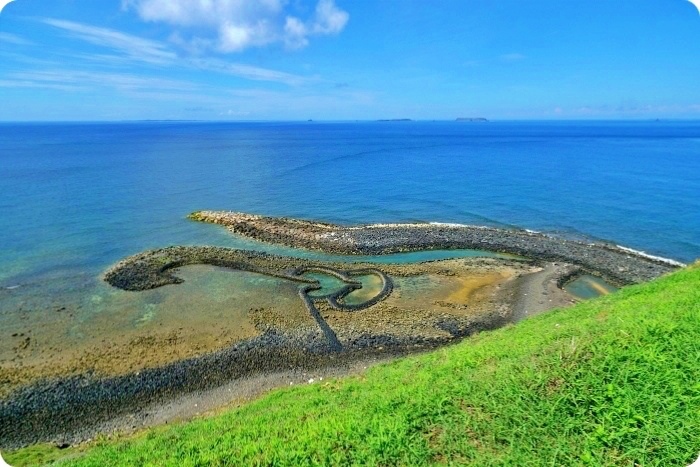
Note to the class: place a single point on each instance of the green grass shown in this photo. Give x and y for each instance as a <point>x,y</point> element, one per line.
<point>612,381</point>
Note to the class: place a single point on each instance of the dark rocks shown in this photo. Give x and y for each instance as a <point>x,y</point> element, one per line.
<point>73,409</point>
<point>617,265</point>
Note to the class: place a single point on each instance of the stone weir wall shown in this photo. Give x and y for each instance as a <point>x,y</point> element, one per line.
<point>617,265</point>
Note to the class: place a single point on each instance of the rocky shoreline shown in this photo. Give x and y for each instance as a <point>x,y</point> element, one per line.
<point>72,410</point>
<point>75,408</point>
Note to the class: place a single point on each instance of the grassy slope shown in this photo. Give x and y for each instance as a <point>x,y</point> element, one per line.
<point>613,381</point>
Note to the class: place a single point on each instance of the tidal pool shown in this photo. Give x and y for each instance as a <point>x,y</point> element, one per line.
<point>587,286</point>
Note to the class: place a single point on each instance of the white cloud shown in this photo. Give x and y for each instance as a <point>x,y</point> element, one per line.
<point>329,18</point>
<point>203,12</point>
<point>295,33</point>
<point>4,3</point>
<point>235,25</point>
<point>696,4</point>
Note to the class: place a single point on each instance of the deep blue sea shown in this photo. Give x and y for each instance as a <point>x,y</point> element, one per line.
<point>75,198</point>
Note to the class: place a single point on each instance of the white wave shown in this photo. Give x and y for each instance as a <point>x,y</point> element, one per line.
<point>647,255</point>
<point>447,224</point>
<point>424,225</point>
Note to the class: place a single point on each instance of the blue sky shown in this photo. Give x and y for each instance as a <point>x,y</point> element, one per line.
<point>342,59</point>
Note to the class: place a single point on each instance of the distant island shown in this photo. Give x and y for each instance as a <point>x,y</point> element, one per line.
<point>395,120</point>
<point>470,119</point>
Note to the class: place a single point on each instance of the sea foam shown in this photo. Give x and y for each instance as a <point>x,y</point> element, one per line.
<point>647,255</point>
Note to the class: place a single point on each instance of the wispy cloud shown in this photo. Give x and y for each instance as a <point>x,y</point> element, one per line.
<point>512,57</point>
<point>234,25</point>
<point>22,83</point>
<point>85,80</point>
<point>627,110</point>
<point>133,85</point>
<point>247,71</point>
<point>136,48</point>
<point>265,101</point>
<point>127,49</point>
<point>13,39</point>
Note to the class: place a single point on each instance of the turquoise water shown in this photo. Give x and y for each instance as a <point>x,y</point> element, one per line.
<point>328,283</point>
<point>371,286</point>
<point>394,258</point>
<point>75,198</point>
<point>587,286</point>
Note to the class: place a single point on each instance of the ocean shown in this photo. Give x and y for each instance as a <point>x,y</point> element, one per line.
<point>77,197</point>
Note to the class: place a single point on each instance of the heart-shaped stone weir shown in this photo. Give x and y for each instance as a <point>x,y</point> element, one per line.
<point>334,298</point>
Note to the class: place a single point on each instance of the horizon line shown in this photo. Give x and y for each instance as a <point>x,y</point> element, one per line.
<point>407,120</point>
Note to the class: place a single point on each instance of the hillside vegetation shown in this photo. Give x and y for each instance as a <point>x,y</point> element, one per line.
<point>612,381</point>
